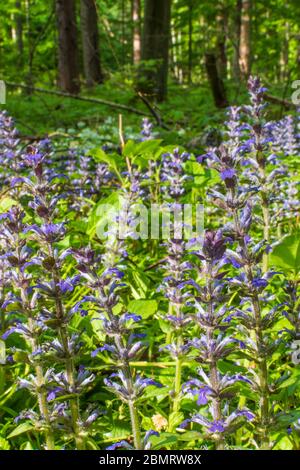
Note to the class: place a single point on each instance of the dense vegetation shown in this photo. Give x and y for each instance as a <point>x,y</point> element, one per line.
<point>115,335</point>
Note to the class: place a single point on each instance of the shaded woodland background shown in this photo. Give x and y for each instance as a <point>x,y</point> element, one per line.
<point>182,53</point>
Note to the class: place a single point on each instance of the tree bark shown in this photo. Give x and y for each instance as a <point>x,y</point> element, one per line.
<point>237,37</point>
<point>136,31</point>
<point>19,28</point>
<point>156,46</point>
<point>245,45</point>
<point>222,20</point>
<point>190,63</point>
<point>216,82</point>
<point>68,68</point>
<point>90,42</point>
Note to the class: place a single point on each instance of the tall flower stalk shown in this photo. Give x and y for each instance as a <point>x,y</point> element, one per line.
<point>173,177</point>
<point>18,258</point>
<point>237,202</point>
<point>48,234</point>
<point>123,343</point>
<point>261,135</point>
<point>214,344</point>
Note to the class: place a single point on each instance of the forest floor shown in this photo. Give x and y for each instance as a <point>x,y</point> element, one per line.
<point>188,113</point>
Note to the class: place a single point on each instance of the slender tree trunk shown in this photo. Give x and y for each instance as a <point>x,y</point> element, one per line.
<point>284,56</point>
<point>19,28</point>
<point>190,63</point>
<point>216,82</point>
<point>298,54</point>
<point>68,68</point>
<point>90,42</point>
<point>136,31</point>
<point>156,45</point>
<point>29,75</point>
<point>237,36</point>
<point>245,45</point>
<point>222,20</point>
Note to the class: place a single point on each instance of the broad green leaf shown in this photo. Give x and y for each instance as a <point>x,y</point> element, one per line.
<point>4,444</point>
<point>6,203</point>
<point>163,440</point>
<point>21,429</point>
<point>100,215</point>
<point>190,436</point>
<point>286,255</point>
<point>114,161</point>
<point>148,147</point>
<point>144,308</point>
<point>27,446</point>
<point>175,419</point>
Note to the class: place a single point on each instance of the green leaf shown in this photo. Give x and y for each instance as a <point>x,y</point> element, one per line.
<point>6,203</point>
<point>27,446</point>
<point>163,440</point>
<point>21,429</point>
<point>144,308</point>
<point>2,352</point>
<point>286,255</point>
<point>148,147</point>
<point>190,436</point>
<point>4,444</point>
<point>114,161</point>
<point>100,214</point>
<point>175,419</point>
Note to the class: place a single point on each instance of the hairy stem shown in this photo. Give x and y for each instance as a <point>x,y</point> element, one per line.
<point>260,347</point>
<point>134,417</point>
<point>69,363</point>
<point>265,206</point>
<point>38,369</point>
<point>177,386</point>
<point>216,404</point>
<point>135,424</point>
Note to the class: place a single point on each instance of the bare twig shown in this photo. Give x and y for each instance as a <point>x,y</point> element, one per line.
<point>279,101</point>
<point>80,98</point>
<point>154,113</point>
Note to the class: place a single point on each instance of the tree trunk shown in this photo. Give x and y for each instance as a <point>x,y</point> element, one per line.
<point>190,63</point>
<point>216,82</point>
<point>298,55</point>
<point>136,30</point>
<point>19,28</point>
<point>68,69</point>
<point>156,46</point>
<point>237,37</point>
<point>284,54</point>
<point>90,42</point>
<point>245,46</point>
<point>222,19</point>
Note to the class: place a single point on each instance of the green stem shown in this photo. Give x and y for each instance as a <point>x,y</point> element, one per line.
<point>38,369</point>
<point>266,218</point>
<point>177,387</point>
<point>41,395</point>
<point>260,358</point>
<point>263,378</point>
<point>265,207</point>
<point>134,417</point>
<point>135,425</point>
<point>42,401</point>
<point>214,379</point>
<point>178,367</point>
<point>79,436</point>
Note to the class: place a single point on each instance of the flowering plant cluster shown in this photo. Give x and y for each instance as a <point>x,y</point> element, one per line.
<point>130,342</point>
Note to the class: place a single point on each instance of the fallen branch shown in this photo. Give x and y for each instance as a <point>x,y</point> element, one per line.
<point>280,101</point>
<point>111,104</point>
<point>154,113</point>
